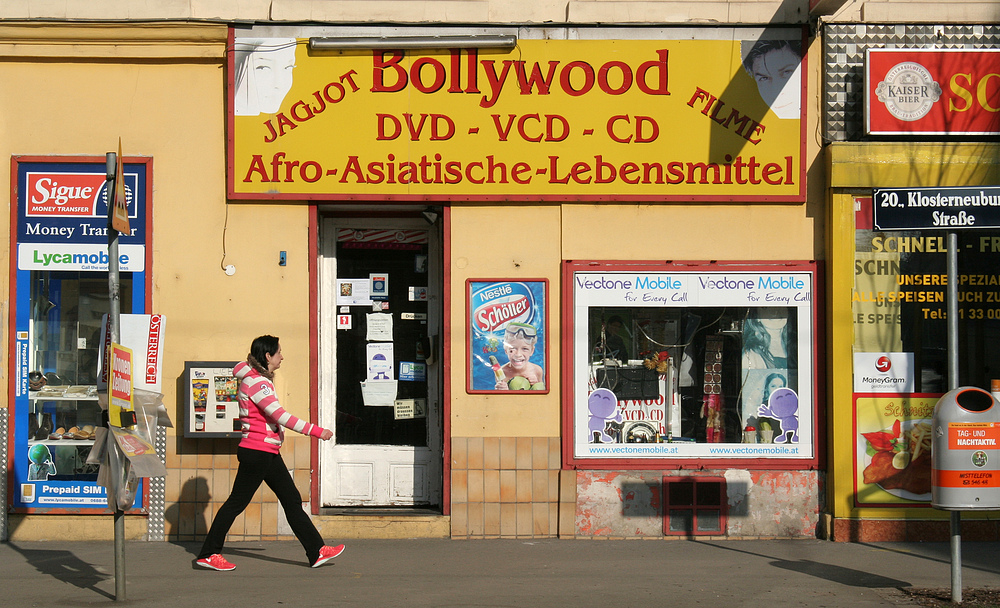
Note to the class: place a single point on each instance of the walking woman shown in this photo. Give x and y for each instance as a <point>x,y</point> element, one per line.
<point>264,421</point>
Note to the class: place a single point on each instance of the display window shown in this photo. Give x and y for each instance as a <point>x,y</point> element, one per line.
<point>60,295</point>
<point>900,359</point>
<point>691,361</point>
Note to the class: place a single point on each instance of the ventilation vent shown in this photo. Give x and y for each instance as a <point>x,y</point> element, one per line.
<point>694,506</point>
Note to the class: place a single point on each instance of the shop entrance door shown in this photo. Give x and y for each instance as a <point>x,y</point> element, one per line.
<point>380,311</point>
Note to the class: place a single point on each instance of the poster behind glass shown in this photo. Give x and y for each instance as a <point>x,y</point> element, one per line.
<point>62,293</point>
<point>900,362</point>
<point>693,364</point>
<point>507,336</point>
<point>210,399</point>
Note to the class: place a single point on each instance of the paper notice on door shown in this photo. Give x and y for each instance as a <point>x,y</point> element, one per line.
<point>404,409</point>
<point>354,292</point>
<point>379,326</point>
<point>378,392</point>
<point>381,360</point>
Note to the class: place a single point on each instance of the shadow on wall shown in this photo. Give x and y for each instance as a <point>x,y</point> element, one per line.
<point>185,519</point>
<point>682,507</point>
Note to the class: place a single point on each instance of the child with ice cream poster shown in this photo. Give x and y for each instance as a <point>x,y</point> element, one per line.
<point>507,336</point>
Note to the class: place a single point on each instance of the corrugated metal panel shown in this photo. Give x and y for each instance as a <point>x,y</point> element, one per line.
<point>155,521</point>
<point>844,46</point>
<point>3,475</point>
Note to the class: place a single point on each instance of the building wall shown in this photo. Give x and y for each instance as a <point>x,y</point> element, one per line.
<point>159,88</point>
<point>914,11</point>
<point>759,504</point>
<point>505,451</point>
<point>432,11</point>
<point>505,461</point>
<point>514,11</point>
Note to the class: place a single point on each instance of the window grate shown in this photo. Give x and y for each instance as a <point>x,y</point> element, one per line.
<point>694,506</point>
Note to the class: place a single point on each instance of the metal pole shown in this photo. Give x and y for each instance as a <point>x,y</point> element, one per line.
<point>114,294</point>
<point>956,516</point>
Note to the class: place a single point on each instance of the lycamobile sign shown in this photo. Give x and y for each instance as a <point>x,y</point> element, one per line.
<point>83,256</point>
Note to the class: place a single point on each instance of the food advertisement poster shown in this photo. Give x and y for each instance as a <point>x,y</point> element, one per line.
<point>892,464</point>
<point>719,117</point>
<point>507,336</point>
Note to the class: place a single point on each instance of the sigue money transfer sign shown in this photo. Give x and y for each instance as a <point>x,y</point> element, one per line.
<point>551,119</point>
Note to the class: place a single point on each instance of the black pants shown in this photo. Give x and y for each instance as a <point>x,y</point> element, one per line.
<point>256,467</point>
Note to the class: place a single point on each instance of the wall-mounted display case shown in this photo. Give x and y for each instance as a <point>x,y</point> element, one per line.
<point>210,405</point>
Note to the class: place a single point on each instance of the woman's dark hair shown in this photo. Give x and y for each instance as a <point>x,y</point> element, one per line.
<point>767,382</point>
<point>261,347</point>
<point>763,47</point>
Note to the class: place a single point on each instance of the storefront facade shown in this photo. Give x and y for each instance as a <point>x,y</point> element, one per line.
<point>565,146</point>
<point>888,282</point>
<point>560,281</point>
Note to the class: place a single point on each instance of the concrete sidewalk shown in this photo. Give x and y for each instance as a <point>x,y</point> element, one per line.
<point>494,573</point>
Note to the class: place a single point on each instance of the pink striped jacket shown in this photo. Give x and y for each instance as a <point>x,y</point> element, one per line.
<point>262,417</point>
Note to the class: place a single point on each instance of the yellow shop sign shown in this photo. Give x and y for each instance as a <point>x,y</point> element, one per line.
<point>635,120</point>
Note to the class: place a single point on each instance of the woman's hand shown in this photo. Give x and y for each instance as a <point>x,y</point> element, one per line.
<point>326,435</point>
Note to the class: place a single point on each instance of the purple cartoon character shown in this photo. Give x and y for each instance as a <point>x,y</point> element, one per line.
<point>603,406</point>
<point>783,405</point>
<point>379,367</point>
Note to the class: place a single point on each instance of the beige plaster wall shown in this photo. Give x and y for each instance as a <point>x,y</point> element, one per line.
<point>429,11</point>
<point>164,96</point>
<point>513,11</point>
<point>696,231</point>
<point>172,110</point>
<point>516,243</point>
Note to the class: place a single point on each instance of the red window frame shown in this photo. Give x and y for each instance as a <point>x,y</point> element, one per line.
<point>695,502</point>
<point>568,322</point>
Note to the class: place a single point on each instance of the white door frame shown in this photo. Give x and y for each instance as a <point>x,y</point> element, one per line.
<point>378,475</point>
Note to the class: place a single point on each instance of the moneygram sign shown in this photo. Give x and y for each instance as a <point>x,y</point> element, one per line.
<point>551,119</point>
<point>932,91</point>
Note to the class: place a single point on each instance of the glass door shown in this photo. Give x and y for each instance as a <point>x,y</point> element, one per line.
<point>379,377</point>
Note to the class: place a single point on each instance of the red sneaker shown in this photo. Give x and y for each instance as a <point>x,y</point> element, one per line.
<point>216,562</point>
<point>326,553</point>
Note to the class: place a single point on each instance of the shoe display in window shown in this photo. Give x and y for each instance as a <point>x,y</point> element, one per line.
<point>45,428</point>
